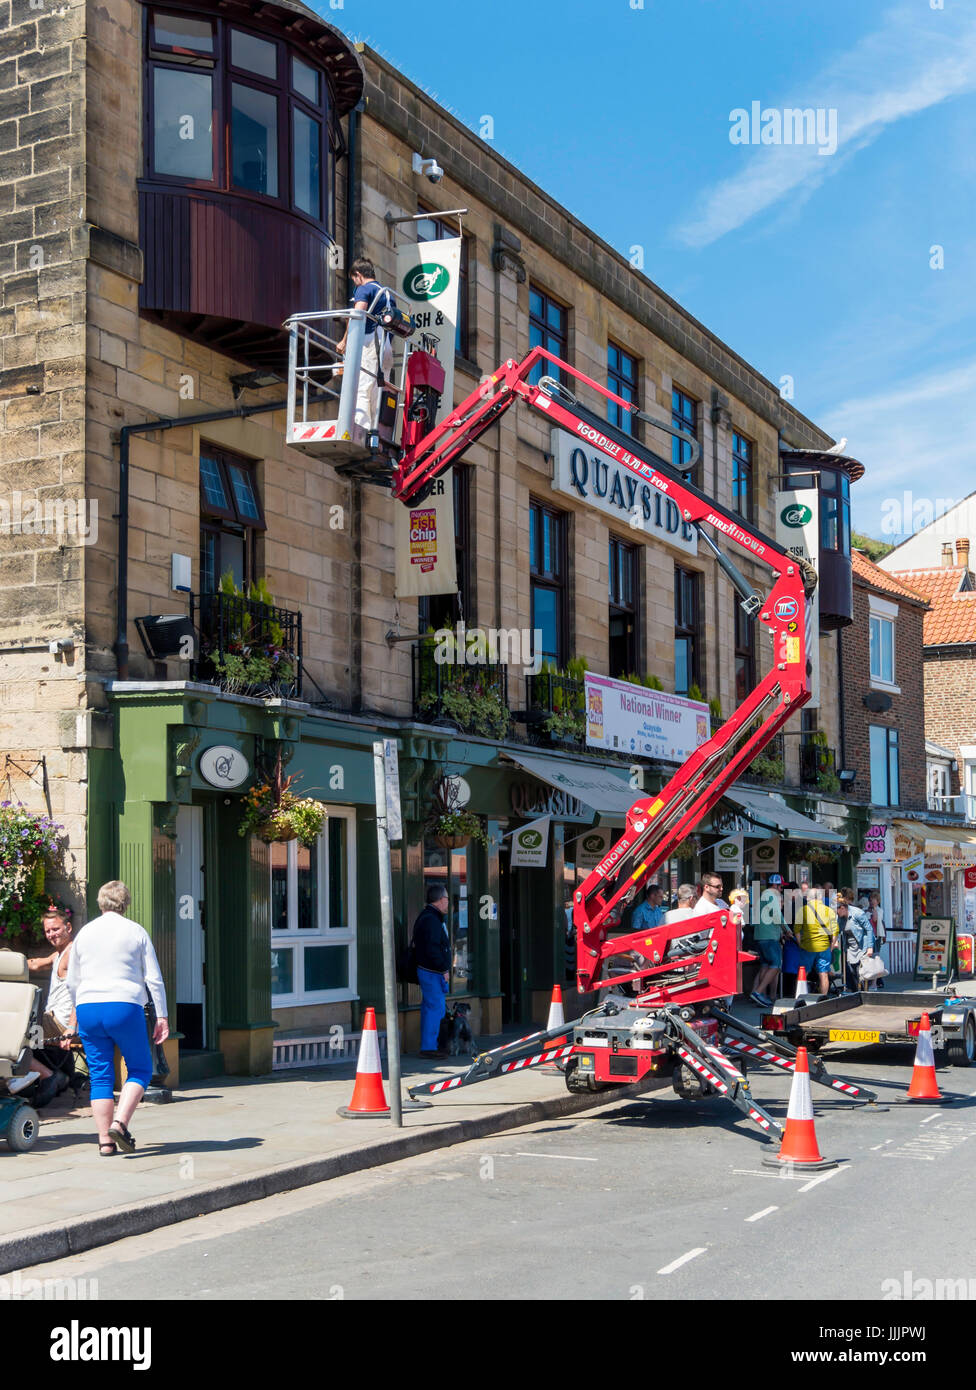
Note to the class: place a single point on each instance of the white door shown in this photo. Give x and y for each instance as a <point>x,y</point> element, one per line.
<point>190,938</point>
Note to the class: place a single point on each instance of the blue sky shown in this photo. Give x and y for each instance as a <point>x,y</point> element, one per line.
<point>808,265</point>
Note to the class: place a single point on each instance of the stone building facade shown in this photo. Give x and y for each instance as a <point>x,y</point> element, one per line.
<point>142,283</point>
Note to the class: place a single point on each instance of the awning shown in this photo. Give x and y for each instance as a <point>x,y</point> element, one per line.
<point>763,809</point>
<point>938,838</point>
<point>610,796</point>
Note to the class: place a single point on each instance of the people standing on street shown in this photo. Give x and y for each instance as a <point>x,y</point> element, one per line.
<point>111,972</point>
<point>432,946</point>
<point>710,900</point>
<point>59,1010</point>
<point>768,934</point>
<point>877,925</point>
<point>649,913</point>
<point>684,904</point>
<point>368,294</point>
<point>817,936</point>
<point>859,936</point>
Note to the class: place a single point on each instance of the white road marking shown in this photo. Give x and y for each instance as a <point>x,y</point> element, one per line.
<point>683,1260</point>
<point>781,1176</point>
<point>572,1158</point>
<point>824,1177</point>
<point>758,1215</point>
<point>928,1120</point>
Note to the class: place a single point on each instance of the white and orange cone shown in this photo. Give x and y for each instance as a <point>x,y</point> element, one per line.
<point>802,988</point>
<point>924,1088</point>
<point>368,1097</point>
<point>799,1148</point>
<point>556,1019</point>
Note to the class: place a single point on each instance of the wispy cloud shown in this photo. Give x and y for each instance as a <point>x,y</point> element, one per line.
<point>916,436</point>
<point>915,60</point>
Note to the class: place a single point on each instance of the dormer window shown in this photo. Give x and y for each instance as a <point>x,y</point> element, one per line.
<point>236,111</point>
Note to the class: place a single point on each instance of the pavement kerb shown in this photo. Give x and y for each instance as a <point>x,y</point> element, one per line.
<point>45,1243</point>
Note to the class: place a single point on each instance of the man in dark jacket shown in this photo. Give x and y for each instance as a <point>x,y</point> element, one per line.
<point>433,950</point>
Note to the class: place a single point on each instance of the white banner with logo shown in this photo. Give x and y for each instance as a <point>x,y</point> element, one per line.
<point>591,847</point>
<point>427,281</point>
<point>424,546</point>
<point>798,532</point>
<point>530,845</point>
<point>765,857</point>
<point>592,476</point>
<point>632,719</point>
<point>728,856</point>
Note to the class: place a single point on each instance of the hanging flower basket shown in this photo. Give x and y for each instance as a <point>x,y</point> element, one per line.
<point>275,814</point>
<point>452,841</point>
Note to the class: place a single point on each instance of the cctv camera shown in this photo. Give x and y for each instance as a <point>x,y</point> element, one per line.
<point>428,167</point>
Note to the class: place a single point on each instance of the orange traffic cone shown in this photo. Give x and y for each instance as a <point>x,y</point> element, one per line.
<point>368,1097</point>
<point>799,1147</point>
<point>924,1088</point>
<point>556,1019</point>
<point>801,983</point>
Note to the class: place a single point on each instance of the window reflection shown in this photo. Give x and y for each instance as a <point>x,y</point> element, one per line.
<point>183,121</point>
<point>254,134</point>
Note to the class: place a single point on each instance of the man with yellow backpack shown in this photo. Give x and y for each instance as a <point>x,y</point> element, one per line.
<point>817,932</point>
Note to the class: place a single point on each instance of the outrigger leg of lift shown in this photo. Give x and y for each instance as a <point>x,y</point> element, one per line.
<point>779,1053</point>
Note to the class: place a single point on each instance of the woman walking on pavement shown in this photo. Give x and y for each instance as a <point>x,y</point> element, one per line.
<point>112,967</point>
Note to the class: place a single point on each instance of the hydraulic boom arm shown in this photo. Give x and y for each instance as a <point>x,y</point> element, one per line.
<point>655,824</point>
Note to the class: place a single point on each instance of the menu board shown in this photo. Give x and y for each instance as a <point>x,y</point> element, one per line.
<point>935,952</point>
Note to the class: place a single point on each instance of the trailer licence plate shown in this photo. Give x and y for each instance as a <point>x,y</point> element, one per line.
<point>852,1035</point>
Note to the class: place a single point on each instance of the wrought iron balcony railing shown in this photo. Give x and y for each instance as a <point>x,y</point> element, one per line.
<point>555,709</point>
<point>247,647</point>
<point>472,697</point>
<point>818,765</point>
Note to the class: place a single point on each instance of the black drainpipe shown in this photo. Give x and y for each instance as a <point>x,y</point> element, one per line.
<point>840,695</point>
<point>122,516</point>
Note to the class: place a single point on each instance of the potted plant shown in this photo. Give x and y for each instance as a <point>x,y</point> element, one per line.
<point>688,848</point>
<point>467,696</point>
<point>253,654</point>
<point>274,812</point>
<point>716,717</point>
<point>564,692</point>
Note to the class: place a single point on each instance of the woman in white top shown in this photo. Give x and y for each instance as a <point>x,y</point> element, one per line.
<point>112,966</point>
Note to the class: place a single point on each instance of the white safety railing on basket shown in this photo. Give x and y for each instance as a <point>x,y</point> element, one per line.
<point>323,1050</point>
<point>321,379</point>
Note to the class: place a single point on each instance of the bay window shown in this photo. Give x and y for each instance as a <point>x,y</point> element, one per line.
<point>239,112</point>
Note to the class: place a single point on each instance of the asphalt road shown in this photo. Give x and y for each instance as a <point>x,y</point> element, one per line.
<point>663,1199</point>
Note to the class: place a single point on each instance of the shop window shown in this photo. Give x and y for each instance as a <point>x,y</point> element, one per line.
<point>547,570</point>
<point>434,229</point>
<point>313,915</point>
<point>231,518</point>
<point>549,329</point>
<point>684,416</point>
<point>687,630</point>
<point>622,379</point>
<point>624,608</point>
<point>884,766</point>
<point>451,867</point>
<point>742,475</point>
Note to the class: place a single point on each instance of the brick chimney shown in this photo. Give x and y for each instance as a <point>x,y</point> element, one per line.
<point>947,560</point>
<point>962,554</point>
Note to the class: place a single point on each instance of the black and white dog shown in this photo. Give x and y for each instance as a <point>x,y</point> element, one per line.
<point>455,1034</point>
